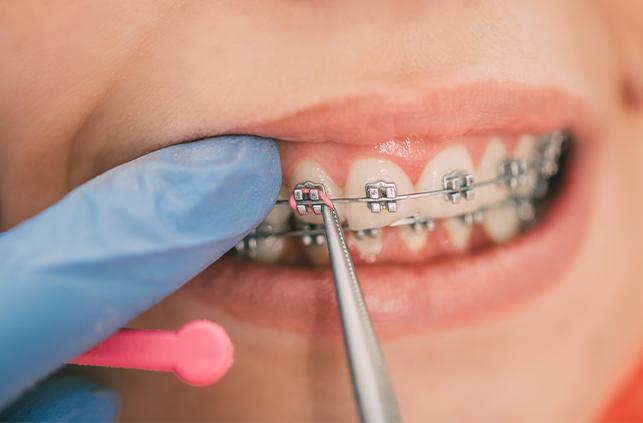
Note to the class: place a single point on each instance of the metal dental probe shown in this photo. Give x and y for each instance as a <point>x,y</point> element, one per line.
<point>373,392</point>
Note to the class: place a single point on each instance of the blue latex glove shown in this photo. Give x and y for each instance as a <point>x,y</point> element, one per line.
<point>120,243</point>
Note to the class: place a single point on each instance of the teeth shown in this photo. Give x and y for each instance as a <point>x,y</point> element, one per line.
<point>525,150</point>
<point>414,240</point>
<point>368,247</point>
<point>488,169</point>
<point>317,254</point>
<point>364,171</point>
<point>309,170</point>
<point>459,232</point>
<point>279,215</point>
<point>269,249</point>
<point>501,223</point>
<point>432,178</point>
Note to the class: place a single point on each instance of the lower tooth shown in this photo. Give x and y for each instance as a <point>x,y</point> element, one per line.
<point>502,223</point>
<point>459,232</point>
<point>317,254</point>
<point>269,249</point>
<point>414,239</point>
<point>368,247</point>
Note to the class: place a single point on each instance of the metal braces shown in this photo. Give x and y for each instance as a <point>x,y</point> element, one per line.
<point>382,195</point>
<point>457,184</point>
<point>313,234</point>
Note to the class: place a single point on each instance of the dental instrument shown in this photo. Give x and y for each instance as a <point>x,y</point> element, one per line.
<point>371,385</point>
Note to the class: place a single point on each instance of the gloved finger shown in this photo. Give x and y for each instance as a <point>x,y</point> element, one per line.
<point>64,400</point>
<point>115,246</point>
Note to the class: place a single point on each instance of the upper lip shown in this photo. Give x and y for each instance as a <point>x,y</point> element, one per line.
<point>435,116</point>
<point>401,299</point>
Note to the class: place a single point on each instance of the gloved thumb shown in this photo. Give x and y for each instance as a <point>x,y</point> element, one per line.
<point>118,244</point>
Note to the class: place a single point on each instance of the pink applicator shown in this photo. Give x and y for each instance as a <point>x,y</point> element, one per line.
<point>199,353</point>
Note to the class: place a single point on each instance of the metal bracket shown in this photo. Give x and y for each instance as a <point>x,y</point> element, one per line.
<point>459,183</point>
<point>513,172</point>
<point>307,197</point>
<point>386,191</point>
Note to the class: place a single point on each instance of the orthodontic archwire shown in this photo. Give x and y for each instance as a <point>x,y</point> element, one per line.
<point>458,184</point>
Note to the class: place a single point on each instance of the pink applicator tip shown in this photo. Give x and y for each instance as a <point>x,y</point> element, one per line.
<point>199,353</point>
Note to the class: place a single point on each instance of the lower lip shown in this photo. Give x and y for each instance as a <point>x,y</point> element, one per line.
<point>406,299</point>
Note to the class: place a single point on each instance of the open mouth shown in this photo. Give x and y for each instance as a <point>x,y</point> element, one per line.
<point>440,232</point>
<point>457,205</point>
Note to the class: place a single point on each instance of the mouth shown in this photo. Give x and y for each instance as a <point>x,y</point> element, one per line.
<point>487,210</point>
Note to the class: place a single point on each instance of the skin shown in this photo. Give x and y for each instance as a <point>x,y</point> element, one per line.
<point>88,86</point>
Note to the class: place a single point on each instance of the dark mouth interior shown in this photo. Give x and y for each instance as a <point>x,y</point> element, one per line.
<point>556,182</point>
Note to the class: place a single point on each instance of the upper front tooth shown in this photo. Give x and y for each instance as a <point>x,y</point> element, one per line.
<point>310,170</point>
<point>432,178</point>
<point>413,239</point>
<point>269,249</point>
<point>363,171</point>
<point>488,169</point>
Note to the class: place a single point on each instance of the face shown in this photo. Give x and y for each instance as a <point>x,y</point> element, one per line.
<point>520,301</point>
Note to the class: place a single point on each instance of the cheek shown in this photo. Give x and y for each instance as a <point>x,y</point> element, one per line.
<point>57,66</point>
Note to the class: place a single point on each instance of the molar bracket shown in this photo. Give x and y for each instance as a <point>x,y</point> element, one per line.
<point>513,172</point>
<point>384,191</point>
<point>458,184</point>
<point>550,149</point>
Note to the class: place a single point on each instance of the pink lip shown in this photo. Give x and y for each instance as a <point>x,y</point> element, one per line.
<point>436,116</point>
<point>406,298</point>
